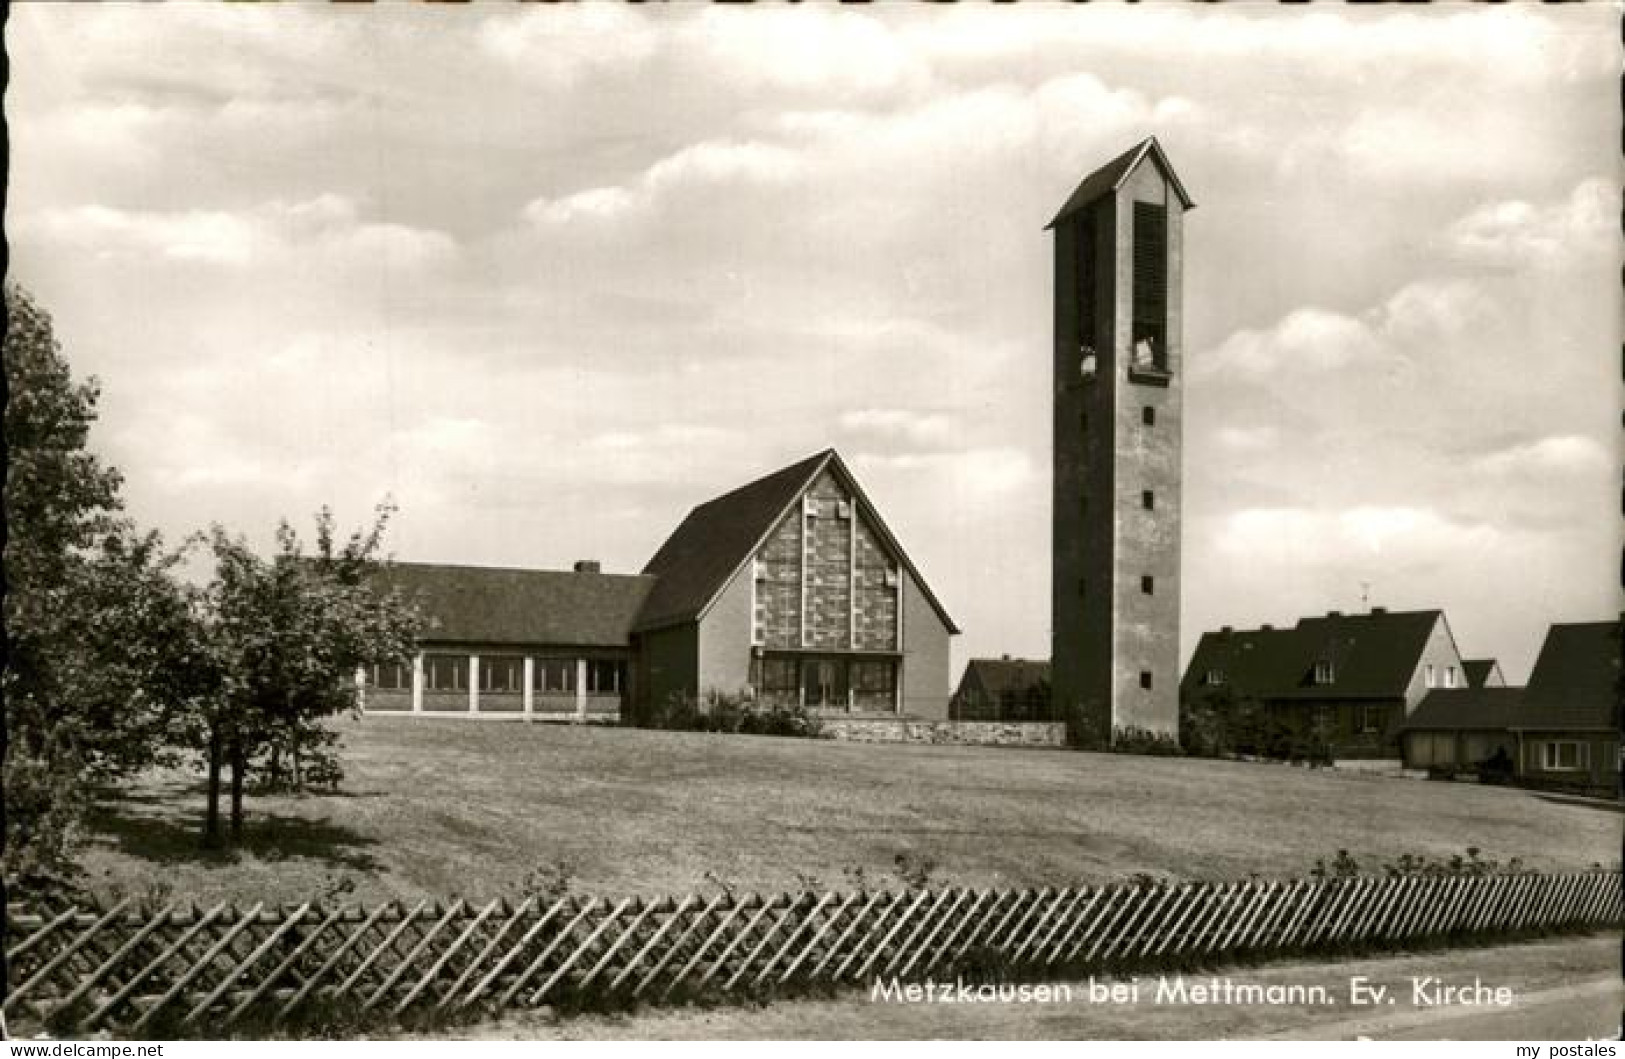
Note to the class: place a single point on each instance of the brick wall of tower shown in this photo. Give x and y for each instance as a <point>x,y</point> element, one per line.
<point>1146,638</point>
<point>1083,485</point>
<point>1106,630</point>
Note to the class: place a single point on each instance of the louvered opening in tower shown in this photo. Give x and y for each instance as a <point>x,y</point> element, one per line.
<point>1150,300</point>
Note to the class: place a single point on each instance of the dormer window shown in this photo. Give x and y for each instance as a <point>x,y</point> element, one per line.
<point>1213,678</point>
<point>1323,672</point>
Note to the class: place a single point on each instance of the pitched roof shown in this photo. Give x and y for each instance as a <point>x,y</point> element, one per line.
<point>1465,708</point>
<point>700,557</point>
<point>1477,670</point>
<point>1575,681</point>
<point>1373,655</point>
<point>1110,177</point>
<point>999,675</point>
<point>704,553</point>
<point>495,605</point>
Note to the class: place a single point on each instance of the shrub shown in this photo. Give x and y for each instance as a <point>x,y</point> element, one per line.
<point>717,712</point>
<point>1141,741</point>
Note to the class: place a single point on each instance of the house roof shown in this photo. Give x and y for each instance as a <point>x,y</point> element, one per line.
<point>1477,670</point>
<point>1110,177</point>
<point>1575,681</point>
<point>495,605</point>
<point>1465,708</point>
<point>720,536</point>
<point>1373,655</point>
<point>999,675</point>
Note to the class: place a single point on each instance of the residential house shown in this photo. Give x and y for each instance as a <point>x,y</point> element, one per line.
<point>1002,689</point>
<point>1347,679</point>
<point>1561,731</point>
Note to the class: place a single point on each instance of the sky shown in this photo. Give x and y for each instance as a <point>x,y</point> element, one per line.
<point>549,277</point>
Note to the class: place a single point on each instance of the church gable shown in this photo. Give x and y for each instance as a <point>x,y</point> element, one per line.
<point>825,579</point>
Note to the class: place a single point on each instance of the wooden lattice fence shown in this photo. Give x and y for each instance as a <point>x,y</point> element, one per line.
<point>135,973</point>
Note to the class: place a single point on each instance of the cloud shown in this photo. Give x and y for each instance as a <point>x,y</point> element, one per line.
<point>710,168</point>
<point>1559,454</point>
<point>270,235</point>
<point>1519,233</point>
<point>1398,334</point>
<point>562,45</point>
<point>975,472</point>
<point>901,427</point>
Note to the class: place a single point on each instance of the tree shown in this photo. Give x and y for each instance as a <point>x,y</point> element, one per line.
<point>89,607</point>
<point>284,638</point>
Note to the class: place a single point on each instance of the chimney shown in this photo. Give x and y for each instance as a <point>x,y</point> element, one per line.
<point>1334,614</point>
<point>1226,630</point>
<point>1379,610</point>
<point>588,566</point>
<point>1266,627</point>
<point>1004,658</point>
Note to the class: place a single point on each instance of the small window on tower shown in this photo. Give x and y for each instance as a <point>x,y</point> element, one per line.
<point>1145,679</point>
<point>1148,500</point>
<point>1148,416</point>
<point>1148,584</point>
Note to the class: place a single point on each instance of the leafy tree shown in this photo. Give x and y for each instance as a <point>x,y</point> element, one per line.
<point>284,638</point>
<point>89,607</point>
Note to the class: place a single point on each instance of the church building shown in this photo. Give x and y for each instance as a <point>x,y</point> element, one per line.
<point>788,590</point>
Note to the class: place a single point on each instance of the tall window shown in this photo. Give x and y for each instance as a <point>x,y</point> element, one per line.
<point>1145,679</point>
<point>1427,675</point>
<point>606,676</point>
<point>874,683</point>
<point>445,672</point>
<point>1085,258</point>
<point>392,676</point>
<point>554,674</point>
<point>823,681</point>
<point>1150,301</point>
<point>1449,676</point>
<point>1323,672</point>
<point>1564,757</point>
<point>502,674</point>
<point>779,679</point>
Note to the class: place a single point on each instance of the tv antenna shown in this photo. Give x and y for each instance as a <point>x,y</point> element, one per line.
<point>1365,594</point>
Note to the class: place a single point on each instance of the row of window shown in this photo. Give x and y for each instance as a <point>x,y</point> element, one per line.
<point>826,681</point>
<point>502,674</point>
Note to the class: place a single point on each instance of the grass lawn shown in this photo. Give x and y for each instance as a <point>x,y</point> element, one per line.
<point>432,808</point>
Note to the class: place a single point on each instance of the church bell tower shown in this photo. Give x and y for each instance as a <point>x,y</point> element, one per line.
<point>1117,393</point>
